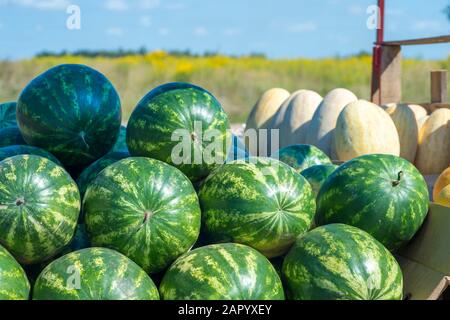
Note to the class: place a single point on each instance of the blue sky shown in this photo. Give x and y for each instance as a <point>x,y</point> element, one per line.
<point>278,28</point>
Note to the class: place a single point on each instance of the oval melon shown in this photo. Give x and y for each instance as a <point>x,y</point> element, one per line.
<point>323,122</point>
<point>407,126</point>
<point>433,154</point>
<point>294,117</point>
<point>364,128</point>
<point>441,182</point>
<point>266,107</point>
<point>443,198</point>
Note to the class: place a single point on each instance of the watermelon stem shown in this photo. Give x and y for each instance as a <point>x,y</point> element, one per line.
<point>399,177</point>
<point>20,201</point>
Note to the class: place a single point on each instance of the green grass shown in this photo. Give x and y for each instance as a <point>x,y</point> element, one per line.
<point>236,82</point>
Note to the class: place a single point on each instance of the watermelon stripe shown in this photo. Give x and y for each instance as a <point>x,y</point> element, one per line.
<point>341,262</point>
<point>14,284</point>
<point>45,222</point>
<point>104,275</point>
<point>221,272</point>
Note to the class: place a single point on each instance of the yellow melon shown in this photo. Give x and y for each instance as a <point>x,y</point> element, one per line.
<point>294,117</point>
<point>442,181</point>
<point>323,122</point>
<point>443,197</point>
<point>407,127</point>
<point>266,107</point>
<point>365,128</point>
<point>433,152</point>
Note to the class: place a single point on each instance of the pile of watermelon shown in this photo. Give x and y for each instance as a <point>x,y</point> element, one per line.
<point>173,206</point>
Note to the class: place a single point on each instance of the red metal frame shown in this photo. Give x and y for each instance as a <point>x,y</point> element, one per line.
<point>376,57</point>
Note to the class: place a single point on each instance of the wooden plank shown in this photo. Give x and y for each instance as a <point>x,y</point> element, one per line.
<point>389,88</point>
<point>439,86</point>
<point>431,40</point>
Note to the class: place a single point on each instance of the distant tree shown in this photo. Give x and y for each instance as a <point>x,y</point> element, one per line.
<point>447,12</point>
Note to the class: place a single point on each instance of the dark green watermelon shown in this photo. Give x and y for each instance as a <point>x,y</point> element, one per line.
<point>384,195</point>
<point>301,156</point>
<point>11,136</point>
<point>91,172</point>
<point>341,262</point>
<point>316,175</point>
<point>8,114</point>
<point>260,202</point>
<point>226,271</point>
<point>121,143</point>
<point>14,284</point>
<point>183,125</point>
<point>39,208</point>
<point>72,111</point>
<point>145,209</point>
<point>94,274</point>
<point>14,150</point>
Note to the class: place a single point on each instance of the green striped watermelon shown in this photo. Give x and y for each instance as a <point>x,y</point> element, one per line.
<point>145,209</point>
<point>94,274</point>
<point>71,110</point>
<point>175,113</point>
<point>14,150</point>
<point>260,202</point>
<point>121,143</point>
<point>341,262</point>
<point>8,114</point>
<point>14,284</point>
<point>226,271</point>
<point>301,156</point>
<point>10,136</point>
<point>91,172</point>
<point>316,175</point>
<point>79,241</point>
<point>382,194</point>
<point>39,208</point>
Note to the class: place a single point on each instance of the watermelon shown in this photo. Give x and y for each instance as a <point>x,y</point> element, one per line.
<point>260,202</point>
<point>382,194</point>
<point>227,271</point>
<point>341,262</point>
<point>91,172</point>
<point>94,274</point>
<point>301,156</point>
<point>145,209</point>
<point>79,241</point>
<point>8,115</point>
<point>121,143</point>
<point>72,111</point>
<point>10,136</point>
<point>183,125</point>
<point>14,150</point>
<point>14,284</point>
<point>316,175</point>
<point>39,208</point>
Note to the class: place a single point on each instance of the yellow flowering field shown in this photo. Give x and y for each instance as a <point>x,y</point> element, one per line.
<point>236,82</point>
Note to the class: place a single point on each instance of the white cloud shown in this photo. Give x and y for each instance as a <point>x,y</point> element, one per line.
<point>230,32</point>
<point>427,25</point>
<point>200,31</point>
<point>163,31</point>
<point>39,4</point>
<point>116,5</point>
<point>145,21</point>
<point>115,31</point>
<point>303,27</point>
<point>148,4</point>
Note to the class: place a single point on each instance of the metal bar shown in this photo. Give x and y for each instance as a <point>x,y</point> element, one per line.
<point>376,56</point>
